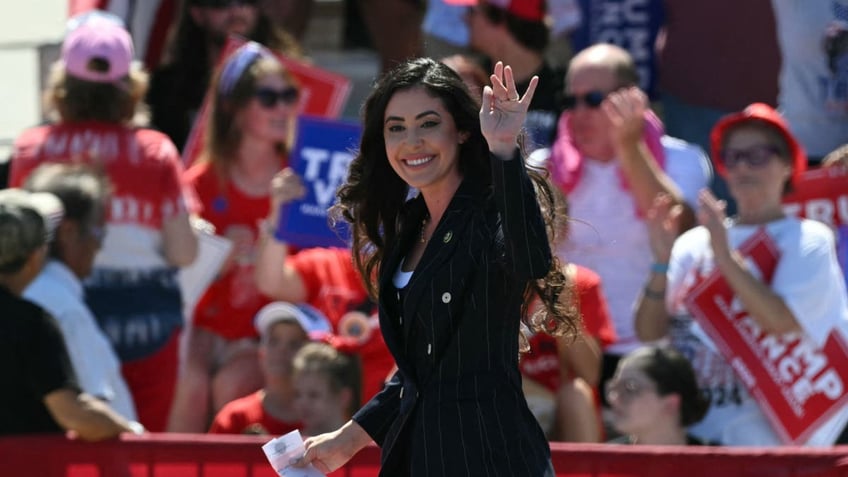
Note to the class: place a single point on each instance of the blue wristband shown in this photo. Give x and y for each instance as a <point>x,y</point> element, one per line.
<point>659,268</point>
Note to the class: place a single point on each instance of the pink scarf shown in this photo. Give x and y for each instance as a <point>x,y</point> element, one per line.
<point>566,163</point>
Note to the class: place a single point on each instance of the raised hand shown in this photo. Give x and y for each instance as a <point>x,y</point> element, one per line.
<point>504,109</point>
<point>625,110</point>
<point>286,186</point>
<point>663,220</point>
<point>711,214</point>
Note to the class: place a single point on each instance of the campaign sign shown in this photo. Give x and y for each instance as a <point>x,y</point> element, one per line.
<point>798,385</point>
<point>842,250</point>
<point>322,93</point>
<point>822,194</point>
<point>321,156</point>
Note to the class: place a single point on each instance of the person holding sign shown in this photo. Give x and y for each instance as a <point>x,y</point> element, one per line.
<point>250,129</point>
<point>455,269</point>
<point>756,301</point>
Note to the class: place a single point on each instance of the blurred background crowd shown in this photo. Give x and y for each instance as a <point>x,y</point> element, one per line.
<point>673,129</point>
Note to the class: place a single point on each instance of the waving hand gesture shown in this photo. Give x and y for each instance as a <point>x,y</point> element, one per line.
<point>504,109</point>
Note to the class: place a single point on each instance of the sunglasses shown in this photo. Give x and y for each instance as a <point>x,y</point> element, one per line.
<point>591,100</point>
<point>754,156</point>
<point>268,97</point>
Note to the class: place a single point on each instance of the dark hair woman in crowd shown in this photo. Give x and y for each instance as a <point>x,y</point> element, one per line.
<point>454,269</point>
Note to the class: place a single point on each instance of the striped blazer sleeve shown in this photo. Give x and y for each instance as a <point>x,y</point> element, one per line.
<point>381,411</point>
<point>526,242</point>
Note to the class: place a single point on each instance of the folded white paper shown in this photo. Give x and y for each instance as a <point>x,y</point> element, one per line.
<point>283,450</point>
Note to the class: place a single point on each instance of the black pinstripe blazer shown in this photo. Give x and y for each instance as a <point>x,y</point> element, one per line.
<point>455,406</point>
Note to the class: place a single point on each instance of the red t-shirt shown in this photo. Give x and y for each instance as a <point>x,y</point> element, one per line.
<point>229,304</point>
<point>333,286</point>
<point>332,283</point>
<point>246,415</point>
<point>542,362</point>
<point>143,166</point>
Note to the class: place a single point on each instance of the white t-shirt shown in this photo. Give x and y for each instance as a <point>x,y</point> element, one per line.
<point>812,98</point>
<point>606,234</point>
<point>98,370</point>
<point>809,281</point>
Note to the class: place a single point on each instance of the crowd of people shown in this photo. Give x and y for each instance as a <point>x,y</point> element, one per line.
<point>551,241</point>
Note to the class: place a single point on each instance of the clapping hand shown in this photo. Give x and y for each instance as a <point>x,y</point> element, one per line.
<point>625,110</point>
<point>663,220</point>
<point>711,214</point>
<point>504,109</point>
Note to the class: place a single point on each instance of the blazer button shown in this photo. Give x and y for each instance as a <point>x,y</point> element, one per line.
<point>429,348</point>
<point>446,297</point>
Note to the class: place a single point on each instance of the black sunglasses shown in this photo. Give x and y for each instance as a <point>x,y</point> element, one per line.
<point>268,97</point>
<point>592,100</point>
<point>754,156</point>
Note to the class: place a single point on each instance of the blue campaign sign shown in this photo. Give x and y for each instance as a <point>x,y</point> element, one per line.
<point>322,153</point>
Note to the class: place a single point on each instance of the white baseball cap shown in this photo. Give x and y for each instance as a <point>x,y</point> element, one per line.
<point>310,319</point>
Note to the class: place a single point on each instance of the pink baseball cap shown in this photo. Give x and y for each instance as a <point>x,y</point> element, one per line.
<point>99,51</point>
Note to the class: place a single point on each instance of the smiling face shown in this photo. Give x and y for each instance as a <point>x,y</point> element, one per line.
<point>422,141</point>
<point>262,121</point>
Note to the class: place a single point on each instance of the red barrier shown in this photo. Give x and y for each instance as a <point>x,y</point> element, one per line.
<point>184,455</point>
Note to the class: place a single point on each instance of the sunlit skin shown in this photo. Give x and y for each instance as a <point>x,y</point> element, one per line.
<point>318,406</point>
<point>422,142</point>
<point>279,347</point>
<point>758,191</point>
<point>268,124</point>
<point>590,128</point>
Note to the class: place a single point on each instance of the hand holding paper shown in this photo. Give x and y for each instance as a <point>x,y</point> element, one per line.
<point>283,450</point>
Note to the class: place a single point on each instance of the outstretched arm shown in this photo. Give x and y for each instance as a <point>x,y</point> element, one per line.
<point>501,119</point>
<point>274,276</point>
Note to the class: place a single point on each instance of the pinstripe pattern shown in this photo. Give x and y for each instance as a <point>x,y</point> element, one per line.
<point>462,411</point>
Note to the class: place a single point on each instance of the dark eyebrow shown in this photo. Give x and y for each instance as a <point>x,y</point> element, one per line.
<point>419,116</point>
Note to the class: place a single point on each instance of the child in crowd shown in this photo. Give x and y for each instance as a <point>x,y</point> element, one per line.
<point>327,386</point>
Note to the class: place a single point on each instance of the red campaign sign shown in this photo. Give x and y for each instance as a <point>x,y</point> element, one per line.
<point>797,385</point>
<point>322,93</point>
<point>821,194</point>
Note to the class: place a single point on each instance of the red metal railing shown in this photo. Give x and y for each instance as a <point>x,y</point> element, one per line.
<point>191,455</point>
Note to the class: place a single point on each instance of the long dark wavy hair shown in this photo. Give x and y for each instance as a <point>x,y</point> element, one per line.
<point>373,197</point>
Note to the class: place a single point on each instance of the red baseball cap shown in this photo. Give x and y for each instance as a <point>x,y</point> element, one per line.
<point>762,113</point>
<point>532,10</point>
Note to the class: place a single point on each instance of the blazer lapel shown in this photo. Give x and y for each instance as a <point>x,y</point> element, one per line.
<point>442,245</point>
